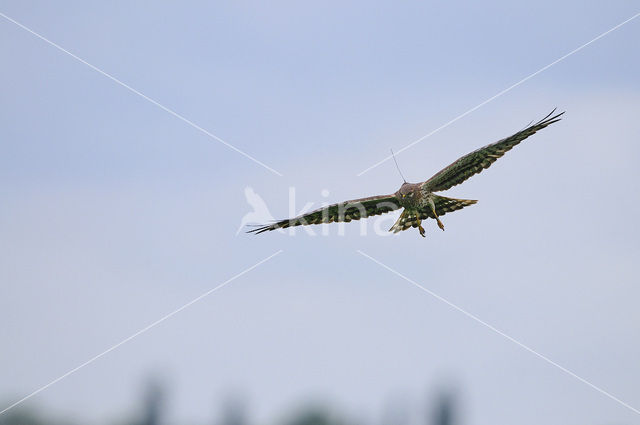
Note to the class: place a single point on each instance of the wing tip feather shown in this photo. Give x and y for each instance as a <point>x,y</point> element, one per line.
<point>550,118</point>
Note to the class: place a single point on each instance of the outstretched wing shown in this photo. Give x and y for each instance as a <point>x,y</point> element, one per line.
<point>344,211</point>
<point>482,158</point>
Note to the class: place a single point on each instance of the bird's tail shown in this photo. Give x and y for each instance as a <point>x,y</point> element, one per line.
<point>406,220</point>
<point>444,205</point>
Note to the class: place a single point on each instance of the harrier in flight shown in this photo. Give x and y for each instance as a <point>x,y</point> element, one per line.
<point>418,199</point>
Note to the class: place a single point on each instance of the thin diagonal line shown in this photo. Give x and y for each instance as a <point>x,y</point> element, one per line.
<point>131,89</point>
<point>499,332</point>
<point>138,333</point>
<point>528,77</point>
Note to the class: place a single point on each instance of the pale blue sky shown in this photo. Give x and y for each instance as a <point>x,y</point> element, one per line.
<point>114,212</point>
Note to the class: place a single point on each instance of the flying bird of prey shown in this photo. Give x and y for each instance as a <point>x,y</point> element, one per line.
<point>418,199</point>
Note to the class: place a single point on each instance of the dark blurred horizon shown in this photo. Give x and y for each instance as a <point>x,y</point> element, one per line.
<point>439,408</point>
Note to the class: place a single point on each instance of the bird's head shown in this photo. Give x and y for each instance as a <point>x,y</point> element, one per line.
<point>405,191</point>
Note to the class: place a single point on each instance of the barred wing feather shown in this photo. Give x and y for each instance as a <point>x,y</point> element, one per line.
<point>341,212</point>
<point>482,158</point>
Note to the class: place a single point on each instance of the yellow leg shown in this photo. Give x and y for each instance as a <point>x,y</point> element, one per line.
<point>433,209</point>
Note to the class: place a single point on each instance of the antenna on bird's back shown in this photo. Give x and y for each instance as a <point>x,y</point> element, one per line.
<point>394,160</point>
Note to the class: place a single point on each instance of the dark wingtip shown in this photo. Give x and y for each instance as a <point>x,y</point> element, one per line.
<point>259,228</point>
<point>550,118</point>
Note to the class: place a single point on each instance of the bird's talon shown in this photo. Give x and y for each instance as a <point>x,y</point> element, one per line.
<point>422,232</point>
